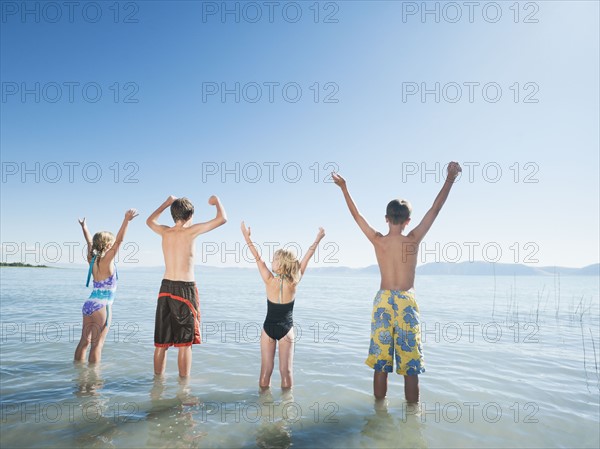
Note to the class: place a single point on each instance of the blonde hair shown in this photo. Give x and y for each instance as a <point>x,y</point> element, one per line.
<point>289,266</point>
<point>101,242</point>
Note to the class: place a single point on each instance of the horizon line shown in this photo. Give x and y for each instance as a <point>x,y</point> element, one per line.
<point>250,266</point>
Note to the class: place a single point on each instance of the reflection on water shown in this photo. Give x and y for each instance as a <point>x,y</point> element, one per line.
<point>97,418</point>
<point>275,432</point>
<point>175,417</point>
<point>171,419</point>
<point>383,430</point>
<point>89,379</point>
<point>47,401</point>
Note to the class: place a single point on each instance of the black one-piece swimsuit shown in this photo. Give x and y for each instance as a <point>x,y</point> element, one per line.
<point>279,318</point>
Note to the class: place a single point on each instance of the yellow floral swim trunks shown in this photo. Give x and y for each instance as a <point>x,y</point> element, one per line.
<point>396,330</point>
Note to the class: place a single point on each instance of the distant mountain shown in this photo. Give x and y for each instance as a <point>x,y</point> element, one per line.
<point>344,270</point>
<point>590,270</point>
<point>504,269</point>
<point>446,268</point>
<point>478,268</point>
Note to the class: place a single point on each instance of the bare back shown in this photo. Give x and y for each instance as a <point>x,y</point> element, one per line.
<point>179,252</point>
<point>103,269</point>
<point>397,260</point>
<point>288,292</point>
<point>396,253</point>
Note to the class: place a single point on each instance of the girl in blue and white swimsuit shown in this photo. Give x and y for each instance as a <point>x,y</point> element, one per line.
<point>103,293</point>
<point>102,250</point>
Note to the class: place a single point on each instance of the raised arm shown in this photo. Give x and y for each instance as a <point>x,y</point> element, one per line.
<point>422,228</point>
<point>311,250</point>
<point>265,273</point>
<point>371,233</point>
<point>88,238</point>
<point>129,215</point>
<point>152,220</point>
<point>220,219</point>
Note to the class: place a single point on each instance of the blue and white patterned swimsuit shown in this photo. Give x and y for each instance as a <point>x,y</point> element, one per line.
<point>102,295</point>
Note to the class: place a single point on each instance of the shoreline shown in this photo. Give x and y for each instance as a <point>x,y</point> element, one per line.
<point>21,265</point>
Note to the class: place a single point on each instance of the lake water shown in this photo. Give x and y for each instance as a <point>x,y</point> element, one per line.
<point>511,362</point>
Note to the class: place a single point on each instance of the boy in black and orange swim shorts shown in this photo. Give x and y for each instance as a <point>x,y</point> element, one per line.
<point>177,309</point>
<point>177,315</point>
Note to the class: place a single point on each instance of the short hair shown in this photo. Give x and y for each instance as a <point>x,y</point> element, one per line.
<point>182,209</point>
<point>398,211</point>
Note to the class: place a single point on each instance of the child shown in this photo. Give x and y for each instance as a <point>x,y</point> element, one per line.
<point>279,324</point>
<point>102,250</point>
<point>178,310</point>
<point>395,325</point>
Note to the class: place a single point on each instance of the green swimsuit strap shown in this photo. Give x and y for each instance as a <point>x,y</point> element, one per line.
<point>87,283</point>
<point>281,277</point>
<point>280,290</point>
<point>107,315</point>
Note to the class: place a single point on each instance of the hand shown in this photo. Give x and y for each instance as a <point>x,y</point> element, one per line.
<point>81,222</point>
<point>131,214</point>
<point>339,181</point>
<point>453,170</point>
<point>245,231</point>
<point>213,200</point>
<point>321,234</point>
<point>170,200</point>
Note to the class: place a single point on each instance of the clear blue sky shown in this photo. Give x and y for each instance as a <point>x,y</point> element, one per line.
<point>369,57</point>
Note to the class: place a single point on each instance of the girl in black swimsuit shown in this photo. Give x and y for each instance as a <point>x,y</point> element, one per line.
<point>278,327</point>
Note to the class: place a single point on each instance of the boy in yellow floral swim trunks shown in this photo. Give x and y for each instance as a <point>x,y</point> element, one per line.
<point>395,323</point>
